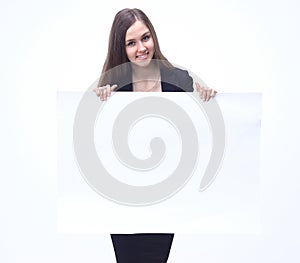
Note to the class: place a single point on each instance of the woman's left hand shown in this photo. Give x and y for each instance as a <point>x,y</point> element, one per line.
<point>205,93</point>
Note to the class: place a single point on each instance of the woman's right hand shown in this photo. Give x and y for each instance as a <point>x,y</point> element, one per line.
<point>104,91</point>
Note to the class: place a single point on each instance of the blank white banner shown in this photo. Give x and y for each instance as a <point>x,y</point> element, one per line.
<point>228,204</point>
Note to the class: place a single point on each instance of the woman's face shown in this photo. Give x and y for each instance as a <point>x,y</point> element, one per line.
<point>139,44</point>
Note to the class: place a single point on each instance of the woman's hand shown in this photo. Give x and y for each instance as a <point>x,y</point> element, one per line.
<point>205,93</point>
<point>104,91</point>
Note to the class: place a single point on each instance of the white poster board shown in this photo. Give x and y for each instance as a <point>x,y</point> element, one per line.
<point>229,204</point>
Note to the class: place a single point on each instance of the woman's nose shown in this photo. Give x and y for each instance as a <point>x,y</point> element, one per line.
<point>141,46</point>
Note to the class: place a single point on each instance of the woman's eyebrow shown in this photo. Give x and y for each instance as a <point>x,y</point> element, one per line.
<point>141,37</point>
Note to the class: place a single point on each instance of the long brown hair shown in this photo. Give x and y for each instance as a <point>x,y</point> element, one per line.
<point>116,54</point>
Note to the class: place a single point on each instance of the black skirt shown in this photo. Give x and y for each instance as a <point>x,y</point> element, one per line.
<point>146,248</point>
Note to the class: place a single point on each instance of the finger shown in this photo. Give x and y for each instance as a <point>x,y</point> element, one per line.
<point>211,94</point>
<point>200,90</point>
<point>197,86</point>
<point>202,93</point>
<point>113,87</point>
<point>96,90</point>
<point>105,91</point>
<point>108,91</point>
<point>206,96</point>
<point>102,91</point>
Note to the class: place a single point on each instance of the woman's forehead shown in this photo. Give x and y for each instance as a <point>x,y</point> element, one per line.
<point>136,30</point>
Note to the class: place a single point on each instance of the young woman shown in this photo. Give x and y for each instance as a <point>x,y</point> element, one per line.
<point>135,62</point>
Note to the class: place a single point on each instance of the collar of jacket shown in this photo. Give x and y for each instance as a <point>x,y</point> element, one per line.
<point>169,81</point>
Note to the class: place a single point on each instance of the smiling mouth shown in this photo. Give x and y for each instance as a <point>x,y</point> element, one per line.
<point>143,56</point>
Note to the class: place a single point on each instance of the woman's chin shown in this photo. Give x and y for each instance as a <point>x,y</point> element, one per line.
<point>142,62</point>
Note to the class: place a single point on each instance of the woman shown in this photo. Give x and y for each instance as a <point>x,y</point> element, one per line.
<point>135,63</point>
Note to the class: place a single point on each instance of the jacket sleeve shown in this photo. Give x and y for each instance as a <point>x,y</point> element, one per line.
<point>185,80</point>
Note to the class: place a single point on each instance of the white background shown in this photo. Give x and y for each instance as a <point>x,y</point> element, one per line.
<point>60,45</point>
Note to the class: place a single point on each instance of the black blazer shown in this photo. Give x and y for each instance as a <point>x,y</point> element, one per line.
<point>172,80</point>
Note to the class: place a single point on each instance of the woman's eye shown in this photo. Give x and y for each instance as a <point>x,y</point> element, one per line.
<point>130,44</point>
<point>146,38</point>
